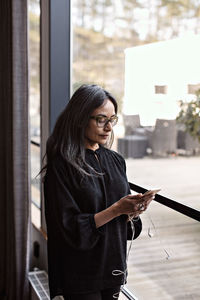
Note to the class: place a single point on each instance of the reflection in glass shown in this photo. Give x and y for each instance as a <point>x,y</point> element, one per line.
<point>34,98</point>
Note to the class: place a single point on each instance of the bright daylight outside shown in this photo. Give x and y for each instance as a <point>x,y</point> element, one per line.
<point>146,53</point>
<point>34,98</point>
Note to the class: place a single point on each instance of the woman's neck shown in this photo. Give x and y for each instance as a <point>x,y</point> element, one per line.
<point>91,146</point>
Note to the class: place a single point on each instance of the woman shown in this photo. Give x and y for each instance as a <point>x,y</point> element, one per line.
<point>88,200</point>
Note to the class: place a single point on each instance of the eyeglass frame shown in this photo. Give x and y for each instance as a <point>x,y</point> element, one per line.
<point>107,120</point>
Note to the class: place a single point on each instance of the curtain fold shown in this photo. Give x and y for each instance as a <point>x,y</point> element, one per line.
<point>14,152</point>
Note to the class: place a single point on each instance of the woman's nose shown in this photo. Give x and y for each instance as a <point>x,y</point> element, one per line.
<point>108,126</point>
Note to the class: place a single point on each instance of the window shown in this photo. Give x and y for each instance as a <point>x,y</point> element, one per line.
<point>121,45</point>
<point>34,98</point>
<point>160,89</point>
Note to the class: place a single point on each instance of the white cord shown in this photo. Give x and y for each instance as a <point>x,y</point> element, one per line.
<point>125,273</point>
<point>151,235</point>
<point>120,272</point>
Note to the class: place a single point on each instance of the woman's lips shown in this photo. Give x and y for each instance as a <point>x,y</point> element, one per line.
<point>104,136</point>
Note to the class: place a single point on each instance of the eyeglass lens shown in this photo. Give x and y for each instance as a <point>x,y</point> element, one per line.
<point>101,122</point>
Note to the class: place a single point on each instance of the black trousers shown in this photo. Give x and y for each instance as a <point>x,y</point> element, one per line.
<point>101,295</point>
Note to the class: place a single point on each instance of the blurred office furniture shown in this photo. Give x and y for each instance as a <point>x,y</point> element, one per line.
<point>130,123</point>
<point>185,142</point>
<point>133,146</point>
<point>163,139</point>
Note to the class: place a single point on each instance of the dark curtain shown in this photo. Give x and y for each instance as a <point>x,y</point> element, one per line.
<point>14,151</point>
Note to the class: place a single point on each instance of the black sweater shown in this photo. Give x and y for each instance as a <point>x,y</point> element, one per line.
<point>81,258</point>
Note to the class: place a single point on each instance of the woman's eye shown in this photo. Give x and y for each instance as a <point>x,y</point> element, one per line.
<point>101,120</point>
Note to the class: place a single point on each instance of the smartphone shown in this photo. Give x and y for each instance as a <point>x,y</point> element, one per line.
<point>151,192</point>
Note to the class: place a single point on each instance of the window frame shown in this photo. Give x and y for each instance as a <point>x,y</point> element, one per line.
<point>55,80</point>
<point>55,90</point>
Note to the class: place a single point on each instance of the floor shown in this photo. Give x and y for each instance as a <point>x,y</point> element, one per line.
<point>164,262</point>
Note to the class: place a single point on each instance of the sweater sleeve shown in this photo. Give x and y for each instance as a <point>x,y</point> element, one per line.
<point>137,229</point>
<point>138,223</point>
<point>63,214</point>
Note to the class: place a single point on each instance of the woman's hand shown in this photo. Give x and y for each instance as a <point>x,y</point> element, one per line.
<point>133,205</point>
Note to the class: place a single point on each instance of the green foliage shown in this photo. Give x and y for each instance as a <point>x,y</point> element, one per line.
<point>189,115</point>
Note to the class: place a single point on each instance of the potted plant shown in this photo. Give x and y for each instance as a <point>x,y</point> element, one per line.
<point>189,115</point>
<point>188,124</point>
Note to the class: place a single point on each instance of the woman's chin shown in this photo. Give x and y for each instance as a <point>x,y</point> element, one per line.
<point>103,141</point>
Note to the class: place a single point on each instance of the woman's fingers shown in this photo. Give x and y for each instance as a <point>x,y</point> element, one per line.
<point>143,202</point>
<point>137,196</point>
<point>135,204</point>
<point>150,196</point>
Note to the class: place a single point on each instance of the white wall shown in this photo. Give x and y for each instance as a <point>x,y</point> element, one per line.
<point>174,63</point>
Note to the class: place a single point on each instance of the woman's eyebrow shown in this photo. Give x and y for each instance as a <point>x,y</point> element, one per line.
<point>102,115</point>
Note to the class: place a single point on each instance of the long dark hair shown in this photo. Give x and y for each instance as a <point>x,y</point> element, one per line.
<point>67,138</point>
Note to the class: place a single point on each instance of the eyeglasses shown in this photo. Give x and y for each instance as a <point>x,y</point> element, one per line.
<point>103,121</point>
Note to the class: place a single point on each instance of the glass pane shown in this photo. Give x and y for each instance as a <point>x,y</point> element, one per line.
<point>35,185</point>
<point>35,178</point>
<point>34,98</point>
<point>164,262</point>
<point>34,60</point>
<point>146,53</point>
<point>177,177</point>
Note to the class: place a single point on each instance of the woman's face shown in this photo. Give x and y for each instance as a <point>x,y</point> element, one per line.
<point>95,135</point>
